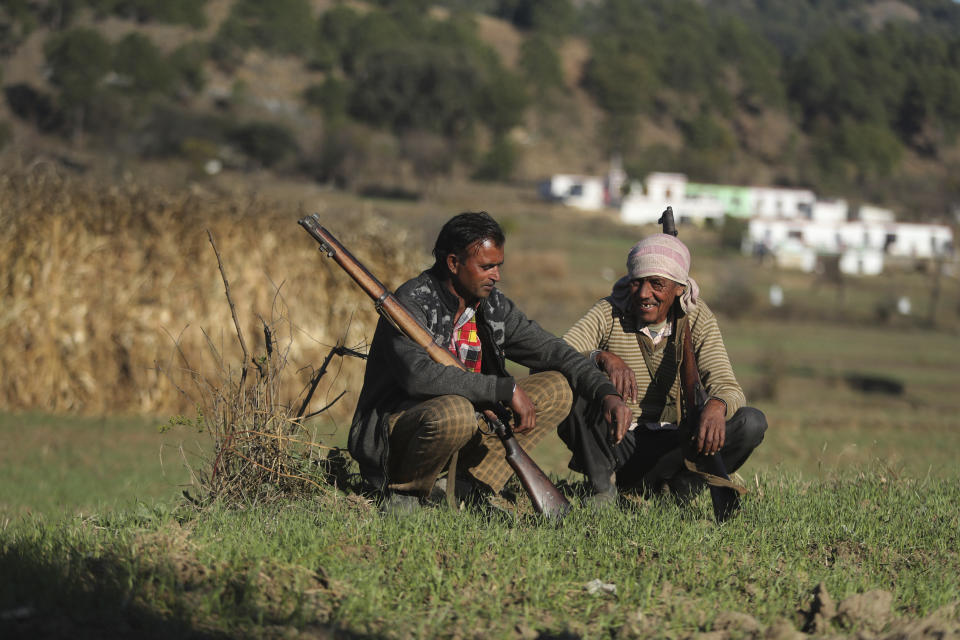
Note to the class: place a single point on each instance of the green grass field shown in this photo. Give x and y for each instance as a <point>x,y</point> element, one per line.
<point>854,487</point>
<point>333,567</point>
<point>62,466</point>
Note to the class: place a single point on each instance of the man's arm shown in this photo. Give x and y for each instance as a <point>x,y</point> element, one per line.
<point>713,363</point>
<point>589,336</point>
<point>529,344</point>
<point>590,332</point>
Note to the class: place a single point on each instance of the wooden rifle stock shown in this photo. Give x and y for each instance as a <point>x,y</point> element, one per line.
<point>724,494</point>
<point>546,498</point>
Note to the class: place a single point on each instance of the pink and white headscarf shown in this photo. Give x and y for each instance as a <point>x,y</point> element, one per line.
<point>658,255</point>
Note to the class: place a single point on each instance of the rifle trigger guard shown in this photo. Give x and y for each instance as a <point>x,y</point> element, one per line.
<point>484,426</point>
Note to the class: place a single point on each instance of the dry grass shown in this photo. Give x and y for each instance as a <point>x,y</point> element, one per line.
<point>100,283</point>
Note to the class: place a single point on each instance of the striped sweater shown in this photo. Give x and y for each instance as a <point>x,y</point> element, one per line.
<point>606,328</point>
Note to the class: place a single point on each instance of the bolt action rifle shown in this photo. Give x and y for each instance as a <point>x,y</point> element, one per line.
<point>724,493</point>
<point>546,498</point>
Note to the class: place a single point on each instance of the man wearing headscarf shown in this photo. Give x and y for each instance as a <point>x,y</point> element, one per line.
<point>633,336</point>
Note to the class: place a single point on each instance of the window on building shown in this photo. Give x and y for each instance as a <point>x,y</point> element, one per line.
<point>889,241</point>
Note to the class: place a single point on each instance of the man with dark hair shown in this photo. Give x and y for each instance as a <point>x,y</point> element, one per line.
<point>414,414</point>
<point>633,336</point>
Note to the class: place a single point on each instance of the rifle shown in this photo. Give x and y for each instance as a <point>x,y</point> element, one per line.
<point>546,498</point>
<point>724,493</point>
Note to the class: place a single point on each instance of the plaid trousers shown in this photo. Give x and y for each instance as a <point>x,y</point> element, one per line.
<point>425,436</point>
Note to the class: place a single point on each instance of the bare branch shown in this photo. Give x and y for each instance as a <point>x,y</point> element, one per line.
<point>338,350</point>
<point>233,312</point>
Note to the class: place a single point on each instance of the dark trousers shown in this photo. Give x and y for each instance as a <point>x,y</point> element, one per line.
<point>647,460</point>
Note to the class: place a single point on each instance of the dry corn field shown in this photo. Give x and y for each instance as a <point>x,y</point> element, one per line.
<point>103,281</point>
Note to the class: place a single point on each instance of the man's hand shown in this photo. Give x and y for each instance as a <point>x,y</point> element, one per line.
<point>620,374</point>
<point>713,427</point>
<point>618,417</point>
<point>525,414</point>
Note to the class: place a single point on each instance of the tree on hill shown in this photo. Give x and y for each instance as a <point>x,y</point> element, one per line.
<point>190,12</point>
<point>541,65</point>
<point>282,26</point>
<point>143,68</point>
<point>79,61</point>
<point>417,87</point>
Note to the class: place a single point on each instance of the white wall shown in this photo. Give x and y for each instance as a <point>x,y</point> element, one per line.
<point>791,204</point>
<point>861,262</point>
<point>665,186</point>
<point>830,211</point>
<point>877,215</point>
<point>919,240</point>
<point>582,192</point>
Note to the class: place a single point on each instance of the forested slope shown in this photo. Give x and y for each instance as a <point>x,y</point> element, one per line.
<point>855,98</point>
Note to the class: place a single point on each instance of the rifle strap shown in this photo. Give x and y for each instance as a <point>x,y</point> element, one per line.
<point>673,348</point>
<point>452,480</point>
<point>712,480</point>
<point>679,330</point>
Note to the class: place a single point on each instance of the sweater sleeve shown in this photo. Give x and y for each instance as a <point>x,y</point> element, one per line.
<point>716,373</point>
<point>590,332</point>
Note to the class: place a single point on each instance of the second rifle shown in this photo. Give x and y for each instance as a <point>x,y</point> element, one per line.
<point>724,494</point>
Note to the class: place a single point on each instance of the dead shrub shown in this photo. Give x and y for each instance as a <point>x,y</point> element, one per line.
<point>262,447</point>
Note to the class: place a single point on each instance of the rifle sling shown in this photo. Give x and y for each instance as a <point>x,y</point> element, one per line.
<point>676,339</point>
<point>452,481</point>
<point>712,480</point>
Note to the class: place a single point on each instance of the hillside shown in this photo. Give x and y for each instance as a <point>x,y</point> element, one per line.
<point>858,99</point>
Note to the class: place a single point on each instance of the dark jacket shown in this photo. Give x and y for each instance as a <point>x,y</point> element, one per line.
<point>400,374</point>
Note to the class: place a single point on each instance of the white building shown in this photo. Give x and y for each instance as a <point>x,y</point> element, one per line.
<point>647,200</point>
<point>583,192</point>
<point>776,202</point>
<point>870,213</point>
<point>911,240</point>
<point>862,246</point>
<point>861,262</point>
<point>830,211</point>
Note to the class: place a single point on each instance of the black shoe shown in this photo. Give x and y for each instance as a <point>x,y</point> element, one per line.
<point>604,492</point>
<point>684,487</point>
<point>602,500</point>
<point>466,491</point>
<point>400,504</point>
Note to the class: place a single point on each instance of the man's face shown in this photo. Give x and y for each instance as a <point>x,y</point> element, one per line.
<point>652,298</point>
<point>477,271</point>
